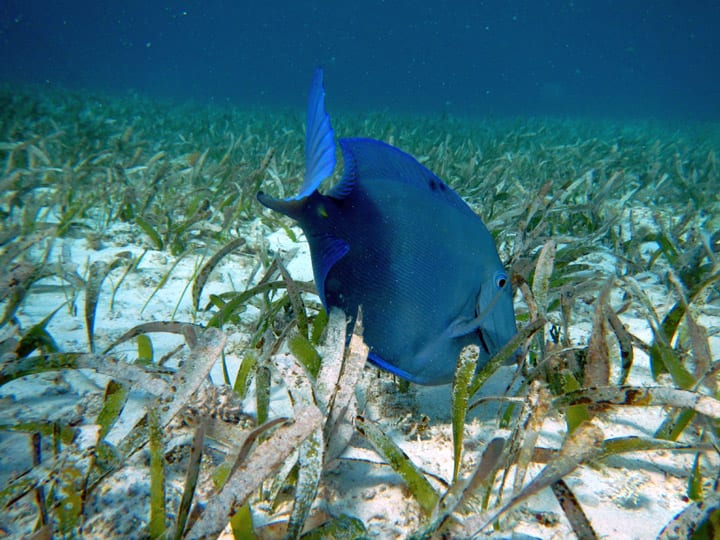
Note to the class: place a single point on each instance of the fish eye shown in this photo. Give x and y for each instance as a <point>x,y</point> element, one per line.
<point>500,280</point>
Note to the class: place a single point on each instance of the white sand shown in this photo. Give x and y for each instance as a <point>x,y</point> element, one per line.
<point>632,496</point>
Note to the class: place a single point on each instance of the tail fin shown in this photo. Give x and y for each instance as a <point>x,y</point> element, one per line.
<point>319,152</point>
<point>319,139</point>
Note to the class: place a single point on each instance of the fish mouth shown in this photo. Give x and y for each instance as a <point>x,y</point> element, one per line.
<point>491,349</point>
<point>486,347</point>
<point>483,343</point>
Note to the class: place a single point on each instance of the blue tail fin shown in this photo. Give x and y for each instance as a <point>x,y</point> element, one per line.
<point>319,139</point>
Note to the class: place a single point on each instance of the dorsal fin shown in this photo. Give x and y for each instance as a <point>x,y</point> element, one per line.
<point>319,139</point>
<point>369,158</point>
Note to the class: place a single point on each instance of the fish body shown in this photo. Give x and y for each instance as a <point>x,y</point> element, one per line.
<point>395,239</point>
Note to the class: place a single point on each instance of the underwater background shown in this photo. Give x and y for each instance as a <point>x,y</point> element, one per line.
<point>167,368</point>
<point>591,58</point>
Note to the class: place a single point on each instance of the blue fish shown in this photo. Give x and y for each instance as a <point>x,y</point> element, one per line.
<point>395,239</point>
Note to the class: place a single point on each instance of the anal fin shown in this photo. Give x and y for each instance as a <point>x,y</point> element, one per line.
<point>330,250</point>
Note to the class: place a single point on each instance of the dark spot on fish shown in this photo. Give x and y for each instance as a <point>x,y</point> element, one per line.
<point>332,286</point>
<point>433,185</point>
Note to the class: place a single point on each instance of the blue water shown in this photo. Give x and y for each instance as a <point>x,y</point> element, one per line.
<point>624,58</point>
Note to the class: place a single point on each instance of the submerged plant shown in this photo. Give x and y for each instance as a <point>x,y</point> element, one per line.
<point>111,208</point>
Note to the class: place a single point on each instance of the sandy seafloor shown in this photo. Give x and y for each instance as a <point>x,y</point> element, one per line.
<point>631,496</point>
